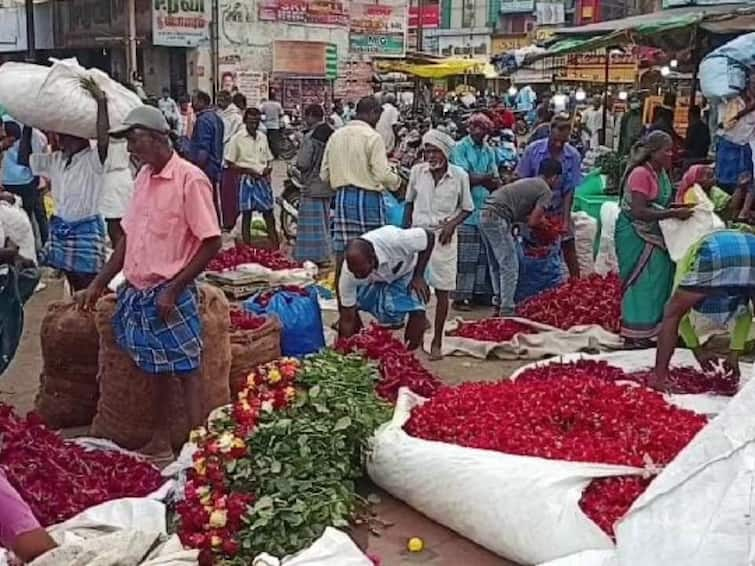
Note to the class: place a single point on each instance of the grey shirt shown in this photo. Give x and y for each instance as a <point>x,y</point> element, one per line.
<point>272,111</point>
<point>516,201</point>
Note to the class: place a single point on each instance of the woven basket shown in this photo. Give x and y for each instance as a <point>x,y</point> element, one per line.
<point>250,348</point>
<point>68,391</point>
<point>124,409</point>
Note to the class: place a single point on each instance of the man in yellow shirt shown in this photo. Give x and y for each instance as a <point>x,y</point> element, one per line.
<point>356,166</point>
<point>248,153</point>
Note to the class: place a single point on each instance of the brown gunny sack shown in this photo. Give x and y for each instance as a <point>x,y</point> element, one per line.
<point>250,348</point>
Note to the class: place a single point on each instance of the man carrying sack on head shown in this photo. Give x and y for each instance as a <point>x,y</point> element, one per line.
<point>171,233</point>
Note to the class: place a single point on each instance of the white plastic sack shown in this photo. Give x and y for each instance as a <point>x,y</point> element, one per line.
<point>588,558</point>
<point>58,103</point>
<point>333,548</point>
<point>546,341</point>
<point>698,512</point>
<point>606,261</point>
<point>680,235</point>
<point>585,231</point>
<point>721,77</point>
<point>522,508</point>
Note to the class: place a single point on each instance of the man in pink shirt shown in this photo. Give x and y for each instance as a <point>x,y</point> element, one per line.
<point>20,532</point>
<point>171,233</point>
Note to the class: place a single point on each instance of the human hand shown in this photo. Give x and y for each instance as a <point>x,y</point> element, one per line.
<point>419,286</point>
<point>731,364</point>
<point>682,213</point>
<point>166,302</point>
<point>268,170</point>
<point>706,359</point>
<point>86,299</point>
<point>89,85</point>
<point>446,233</point>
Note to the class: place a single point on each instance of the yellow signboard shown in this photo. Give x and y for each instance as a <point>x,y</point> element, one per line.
<point>503,43</point>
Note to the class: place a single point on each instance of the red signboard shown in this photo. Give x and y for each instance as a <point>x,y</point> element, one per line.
<point>430,17</point>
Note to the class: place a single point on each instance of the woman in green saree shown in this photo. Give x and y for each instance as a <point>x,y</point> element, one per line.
<point>645,268</point>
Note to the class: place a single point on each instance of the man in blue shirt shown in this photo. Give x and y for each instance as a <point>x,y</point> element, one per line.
<point>207,138</point>
<point>17,176</point>
<point>556,146</point>
<point>478,159</point>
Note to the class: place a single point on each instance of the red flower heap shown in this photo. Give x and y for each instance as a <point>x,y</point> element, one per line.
<point>212,511</point>
<point>547,231</point>
<point>591,300</point>
<point>59,479</point>
<point>233,257</point>
<point>241,320</point>
<point>492,329</point>
<point>576,418</point>
<point>398,366</point>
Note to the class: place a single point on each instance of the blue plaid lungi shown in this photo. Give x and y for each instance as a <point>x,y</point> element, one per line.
<point>76,247</point>
<point>157,346</point>
<point>723,268</point>
<point>357,212</point>
<point>389,303</point>
<point>313,230</point>
<point>472,274</point>
<point>255,193</point>
<point>731,161</point>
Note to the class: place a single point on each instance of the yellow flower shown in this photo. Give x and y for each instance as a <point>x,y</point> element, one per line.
<point>274,376</point>
<point>238,443</point>
<point>204,495</point>
<point>225,441</point>
<point>200,466</point>
<point>218,518</point>
<point>196,435</point>
<point>216,540</point>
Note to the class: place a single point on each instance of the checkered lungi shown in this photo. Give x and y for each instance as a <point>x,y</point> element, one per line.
<point>472,277</point>
<point>157,346</point>
<point>732,160</point>
<point>313,230</point>
<point>357,212</point>
<point>723,267</point>
<point>255,194</point>
<point>389,303</point>
<point>76,247</point>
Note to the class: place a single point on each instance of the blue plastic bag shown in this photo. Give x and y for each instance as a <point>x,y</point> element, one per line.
<point>538,274</point>
<point>723,71</point>
<point>394,210</point>
<point>300,318</point>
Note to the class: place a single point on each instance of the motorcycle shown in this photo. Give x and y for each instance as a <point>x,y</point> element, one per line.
<point>288,202</point>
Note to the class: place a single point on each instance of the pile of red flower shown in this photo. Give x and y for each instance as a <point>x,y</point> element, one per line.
<point>491,329</point>
<point>547,231</point>
<point>398,367</point>
<point>59,479</point>
<point>590,300</point>
<point>684,380</point>
<point>242,320</point>
<point>240,254</point>
<point>564,416</point>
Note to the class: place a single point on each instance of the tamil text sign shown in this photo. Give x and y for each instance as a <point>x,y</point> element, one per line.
<point>378,29</point>
<point>320,12</point>
<point>180,23</point>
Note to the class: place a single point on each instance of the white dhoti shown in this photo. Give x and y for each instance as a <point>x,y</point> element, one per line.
<point>441,271</point>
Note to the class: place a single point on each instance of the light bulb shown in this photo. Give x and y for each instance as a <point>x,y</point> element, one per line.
<point>665,71</point>
<point>674,63</point>
<point>580,95</point>
<point>623,95</point>
<point>513,90</point>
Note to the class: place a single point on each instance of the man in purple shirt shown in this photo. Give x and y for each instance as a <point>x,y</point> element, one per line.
<point>207,138</point>
<point>556,146</point>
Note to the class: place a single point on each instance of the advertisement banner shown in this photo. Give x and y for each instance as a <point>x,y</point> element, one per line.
<point>378,29</point>
<point>302,58</point>
<point>430,17</point>
<point>317,12</point>
<point>180,23</point>
<point>550,13</point>
<point>517,6</point>
<point>236,77</point>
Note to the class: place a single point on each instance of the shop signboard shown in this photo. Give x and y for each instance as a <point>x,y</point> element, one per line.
<point>302,59</point>
<point>378,29</point>
<point>517,6</point>
<point>315,12</point>
<point>590,67</point>
<point>430,17</point>
<point>508,42</point>
<point>92,23</point>
<point>180,23</point>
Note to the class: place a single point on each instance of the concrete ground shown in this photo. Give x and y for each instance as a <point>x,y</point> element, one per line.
<point>443,547</point>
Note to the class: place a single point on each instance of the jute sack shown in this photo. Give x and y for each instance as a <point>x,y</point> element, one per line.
<point>124,409</point>
<point>250,348</point>
<point>68,391</point>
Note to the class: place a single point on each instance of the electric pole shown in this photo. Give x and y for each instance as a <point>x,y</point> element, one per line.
<point>31,53</point>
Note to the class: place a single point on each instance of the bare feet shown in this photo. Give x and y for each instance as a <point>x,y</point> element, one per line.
<point>436,353</point>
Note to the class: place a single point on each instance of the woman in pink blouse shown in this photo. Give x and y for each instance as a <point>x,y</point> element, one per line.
<point>645,266</point>
<point>20,532</point>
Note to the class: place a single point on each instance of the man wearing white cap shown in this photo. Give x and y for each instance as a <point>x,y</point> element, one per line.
<point>171,233</point>
<point>439,199</point>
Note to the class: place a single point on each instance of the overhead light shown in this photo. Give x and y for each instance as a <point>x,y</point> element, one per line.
<point>580,95</point>
<point>513,90</point>
<point>674,63</point>
<point>623,95</point>
<point>665,71</point>
<point>559,100</point>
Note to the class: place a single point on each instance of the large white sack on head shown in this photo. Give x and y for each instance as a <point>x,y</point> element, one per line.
<point>680,235</point>
<point>59,103</point>
<point>606,261</point>
<point>698,511</point>
<point>585,231</point>
<point>721,77</point>
<point>522,508</point>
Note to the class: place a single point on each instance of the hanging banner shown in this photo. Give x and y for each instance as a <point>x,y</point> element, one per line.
<point>318,12</point>
<point>430,17</point>
<point>180,23</point>
<point>303,59</point>
<point>378,29</point>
